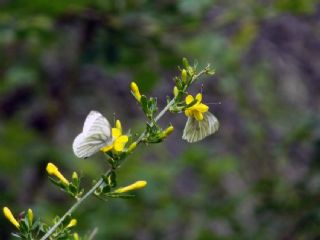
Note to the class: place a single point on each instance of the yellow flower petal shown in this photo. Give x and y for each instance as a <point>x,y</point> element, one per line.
<point>189,99</point>
<point>116,132</point>
<point>120,142</point>
<point>202,108</point>
<point>106,148</point>
<point>188,113</point>
<point>198,115</point>
<point>199,97</point>
<point>118,126</point>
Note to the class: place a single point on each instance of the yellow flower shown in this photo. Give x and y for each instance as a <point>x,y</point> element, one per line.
<point>30,216</point>
<point>8,214</point>
<point>72,223</point>
<point>53,170</point>
<point>197,109</point>
<point>119,140</point>
<point>134,186</point>
<point>135,91</point>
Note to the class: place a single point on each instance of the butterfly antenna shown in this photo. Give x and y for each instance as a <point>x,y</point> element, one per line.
<point>114,119</point>
<point>213,103</point>
<point>201,89</point>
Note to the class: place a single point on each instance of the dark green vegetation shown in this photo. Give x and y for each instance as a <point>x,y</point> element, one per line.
<point>257,178</point>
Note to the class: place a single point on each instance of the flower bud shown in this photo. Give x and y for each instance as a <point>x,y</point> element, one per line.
<point>75,176</point>
<point>190,71</point>
<point>168,131</point>
<point>185,62</point>
<point>135,91</point>
<point>175,91</point>
<point>134,186</point>
<point>8,214</point>
<point>30,216</point>
<point>72,223</point>
<point>118,125</point>
<point>132,147</point>
<point>184,75</point>
<point>75,236</point>
<point>53,170</point>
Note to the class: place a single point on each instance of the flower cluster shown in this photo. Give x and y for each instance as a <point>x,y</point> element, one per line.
<point>99,136</point>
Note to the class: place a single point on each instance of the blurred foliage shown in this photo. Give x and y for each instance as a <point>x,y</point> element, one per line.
<point>258,178</point>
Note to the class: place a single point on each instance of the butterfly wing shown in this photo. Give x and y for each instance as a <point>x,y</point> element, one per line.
<point>197,130</point>
<point>96,123</point>
<point>96,134</point>
<point>85,146</point>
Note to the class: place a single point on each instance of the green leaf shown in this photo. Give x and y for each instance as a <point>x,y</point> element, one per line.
<point>144,104</point>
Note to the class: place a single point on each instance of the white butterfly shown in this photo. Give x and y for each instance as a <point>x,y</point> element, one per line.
<point>197,130</point>
<point>95,135</point>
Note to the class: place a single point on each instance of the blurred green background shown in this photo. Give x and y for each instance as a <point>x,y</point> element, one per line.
<point>257,178</point>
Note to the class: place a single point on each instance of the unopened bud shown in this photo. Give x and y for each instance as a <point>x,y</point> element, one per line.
<point>134,186</point>
<point>168,131</point>
<point>175,91</point>
<point>75,176</point>
<point>135,91</point>
<point>53,170</point>
<point>184,75</point>
<point>72,223</point>
<point>185,62</point>
<point>75,236</point>
<point>8,214</point>
<point>132,147</point>
<point>118,125</point>
<point>30,216</point>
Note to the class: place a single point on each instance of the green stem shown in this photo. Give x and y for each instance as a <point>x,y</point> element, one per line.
<point>163,111</point>
<point>71,210</point>
<point>96,186</point>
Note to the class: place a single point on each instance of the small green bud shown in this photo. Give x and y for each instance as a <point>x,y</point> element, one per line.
<point>132,147</point>
<point>185,62</point>
<point>30,216</point>
<point>168,131</point>
<point>75,176</point>
<point>190,71</point>
<point>75,236</point>
<point>175,91</point>
<point>184,75</point>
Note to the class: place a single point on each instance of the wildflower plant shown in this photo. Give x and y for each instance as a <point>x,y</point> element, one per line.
<point>116,145</point>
